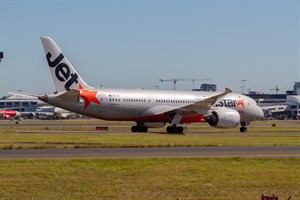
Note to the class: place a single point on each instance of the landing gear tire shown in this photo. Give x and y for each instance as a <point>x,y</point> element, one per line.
<point>243,129</point>
<point>133,129</point>
<point>169,129</point>
<point>180,129</point>
<point>175,129</point>
<point>144,129</point>
<point>139,129</point>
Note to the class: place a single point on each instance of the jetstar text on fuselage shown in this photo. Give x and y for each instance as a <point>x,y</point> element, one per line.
<point>62,71</point>
<point>230,103</point>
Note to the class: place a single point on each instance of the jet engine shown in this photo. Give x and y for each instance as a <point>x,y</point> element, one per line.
<point>224,118</point>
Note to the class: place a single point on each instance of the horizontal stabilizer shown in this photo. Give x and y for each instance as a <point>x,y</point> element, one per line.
<point>24,94</point>
<point>72,95</point>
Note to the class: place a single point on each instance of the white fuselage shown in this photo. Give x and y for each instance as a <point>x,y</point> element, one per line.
<point>133,104</point>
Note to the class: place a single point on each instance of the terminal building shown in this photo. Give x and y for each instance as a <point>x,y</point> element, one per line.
<point>20,103</point>
<point>280,106</point>
<point>31,107</point>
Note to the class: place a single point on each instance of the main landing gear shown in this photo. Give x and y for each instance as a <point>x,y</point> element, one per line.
<point>243,128</point>
<point>175,129</point>
<point>139,128</point>
<point>176,118</point>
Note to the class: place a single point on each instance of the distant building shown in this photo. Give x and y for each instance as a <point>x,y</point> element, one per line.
<point>268,99</point>
<point>278,105</point>
<point>207,87</point>
<point>31,107</point>
<point>297,88</point>
<point>20,103</point>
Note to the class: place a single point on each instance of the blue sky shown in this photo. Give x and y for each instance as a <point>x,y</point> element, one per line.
<point>133,44</point>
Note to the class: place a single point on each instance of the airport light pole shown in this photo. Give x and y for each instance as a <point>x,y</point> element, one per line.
<point>1,55</point>
<point>244,86</point>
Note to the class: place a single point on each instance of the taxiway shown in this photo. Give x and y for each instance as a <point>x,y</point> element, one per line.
<point>153,152</point>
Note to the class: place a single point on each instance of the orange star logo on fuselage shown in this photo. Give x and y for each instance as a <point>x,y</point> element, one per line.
<point>240,102</point>
<point>88,96</point>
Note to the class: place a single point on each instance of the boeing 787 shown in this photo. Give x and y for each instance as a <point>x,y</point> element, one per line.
<point>148,108</point>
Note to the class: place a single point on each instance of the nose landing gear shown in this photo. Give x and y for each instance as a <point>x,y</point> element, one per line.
<point>243,128</point>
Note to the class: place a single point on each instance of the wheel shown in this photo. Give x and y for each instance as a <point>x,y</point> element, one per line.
<point>133,129</point>
<point>169,129</point>
<point>144,129</point>
<point>179,129</point>
<point>174,129</point>
<point>243,129</point>
<point>139,129</point>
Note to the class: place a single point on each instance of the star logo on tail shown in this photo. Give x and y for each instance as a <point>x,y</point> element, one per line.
<point>240,102</point>
<point>88,96</point>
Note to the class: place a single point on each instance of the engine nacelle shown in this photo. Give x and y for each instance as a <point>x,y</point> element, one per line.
<point>224,118</point>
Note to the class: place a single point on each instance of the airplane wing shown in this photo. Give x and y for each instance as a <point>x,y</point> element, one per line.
<point>200,107</point>
<point>157,110</point>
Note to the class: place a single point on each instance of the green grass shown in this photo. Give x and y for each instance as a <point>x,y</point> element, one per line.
<point>40,134</point>
<point>144,140</point>
<point>20,140</point>
<point>182,178</point>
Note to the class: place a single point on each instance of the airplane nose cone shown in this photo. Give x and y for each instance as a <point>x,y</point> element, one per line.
<point>260,113</point>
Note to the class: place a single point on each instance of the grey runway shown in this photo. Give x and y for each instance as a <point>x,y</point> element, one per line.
<point>154,152</point>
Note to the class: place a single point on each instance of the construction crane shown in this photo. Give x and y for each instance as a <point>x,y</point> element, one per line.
<point>175,80</point>
<point>276,89</point>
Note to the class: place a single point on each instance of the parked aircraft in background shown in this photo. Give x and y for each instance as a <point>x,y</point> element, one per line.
<point>148,108</point>
<point>52,112</point>
<point>43,112</point>
<point>9,114</point>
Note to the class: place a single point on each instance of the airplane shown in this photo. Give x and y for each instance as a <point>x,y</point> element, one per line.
<point>9,114</point>
<point>52,112</point>
<point>148,108</point>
